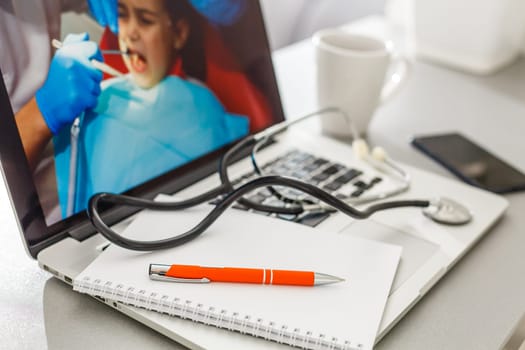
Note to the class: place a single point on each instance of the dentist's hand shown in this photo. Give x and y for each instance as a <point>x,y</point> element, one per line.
<point>72,84</point>
<point>105,12</point>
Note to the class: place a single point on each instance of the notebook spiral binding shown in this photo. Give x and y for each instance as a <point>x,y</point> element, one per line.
<point>209,315</point>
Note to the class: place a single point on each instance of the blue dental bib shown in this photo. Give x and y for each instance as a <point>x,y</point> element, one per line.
<point>134,135</point>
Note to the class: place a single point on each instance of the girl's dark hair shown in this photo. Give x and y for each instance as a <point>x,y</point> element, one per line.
<point>193,54</point>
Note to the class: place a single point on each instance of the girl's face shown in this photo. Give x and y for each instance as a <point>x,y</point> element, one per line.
<point>146,32</point>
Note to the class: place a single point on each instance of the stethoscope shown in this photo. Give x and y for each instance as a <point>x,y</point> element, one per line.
<point>441,210</point>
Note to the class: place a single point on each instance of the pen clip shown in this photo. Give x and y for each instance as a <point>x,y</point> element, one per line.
<point>157,272</point>
<point>156,277</point>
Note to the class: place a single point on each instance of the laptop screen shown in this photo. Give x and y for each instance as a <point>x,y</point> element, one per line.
<point>182,81</point>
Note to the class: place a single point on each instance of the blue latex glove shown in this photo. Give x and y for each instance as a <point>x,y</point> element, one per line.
<point>220,12</point>
<point>105,12</point>
<point>72,84</point>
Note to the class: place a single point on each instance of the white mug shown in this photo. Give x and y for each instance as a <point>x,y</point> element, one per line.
<point>351,72</point>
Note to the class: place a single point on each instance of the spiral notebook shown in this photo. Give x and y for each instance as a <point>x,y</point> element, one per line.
<point>344,315</point>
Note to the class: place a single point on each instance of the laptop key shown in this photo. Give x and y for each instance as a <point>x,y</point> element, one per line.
<point>313,219</point>
<point>320,161</point>
<point>348,176</point>
<point>306,159</point>
<point>320,177</point>
<point>332,186</point>
<point>287,217</point>
<point>357,193</point>
<point>331,170</point>
<point>300,174</point>
<point>375,180</point>
<point>310,167</point>
<point>361,185</point>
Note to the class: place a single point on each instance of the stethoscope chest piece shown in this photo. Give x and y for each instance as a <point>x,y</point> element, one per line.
<point>447,211</point>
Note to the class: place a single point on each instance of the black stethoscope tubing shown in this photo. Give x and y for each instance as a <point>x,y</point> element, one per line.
<point>220,207</point>
<point>228,195</point>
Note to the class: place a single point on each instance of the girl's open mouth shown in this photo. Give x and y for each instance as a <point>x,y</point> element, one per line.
<point>138,61</point>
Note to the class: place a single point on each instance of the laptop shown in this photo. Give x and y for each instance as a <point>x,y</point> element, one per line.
<point>238,76</point>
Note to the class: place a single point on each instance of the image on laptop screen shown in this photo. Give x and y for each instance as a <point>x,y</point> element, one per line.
<point>196,76</point>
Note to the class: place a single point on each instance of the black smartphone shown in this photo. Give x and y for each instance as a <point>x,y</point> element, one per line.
<point>471,163</point>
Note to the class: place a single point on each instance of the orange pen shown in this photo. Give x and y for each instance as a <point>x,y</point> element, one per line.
<point>204,274</point>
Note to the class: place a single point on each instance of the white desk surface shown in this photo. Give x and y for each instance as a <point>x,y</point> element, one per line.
<point>473,307</point>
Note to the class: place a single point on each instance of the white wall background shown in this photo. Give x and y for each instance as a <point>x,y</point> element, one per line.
<point>288,21</point>
<point>78,23</point>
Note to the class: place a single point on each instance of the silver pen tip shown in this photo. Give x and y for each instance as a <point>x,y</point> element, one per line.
<point>323,278</point>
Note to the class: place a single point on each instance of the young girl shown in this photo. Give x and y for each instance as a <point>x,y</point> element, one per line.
<point>149,121</point>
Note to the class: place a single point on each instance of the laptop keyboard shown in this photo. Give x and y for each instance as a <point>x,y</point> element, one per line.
<point>335,178</point>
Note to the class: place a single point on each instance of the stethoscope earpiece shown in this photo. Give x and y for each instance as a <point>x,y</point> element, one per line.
<point>360,149</point>
<point>379,154</point>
